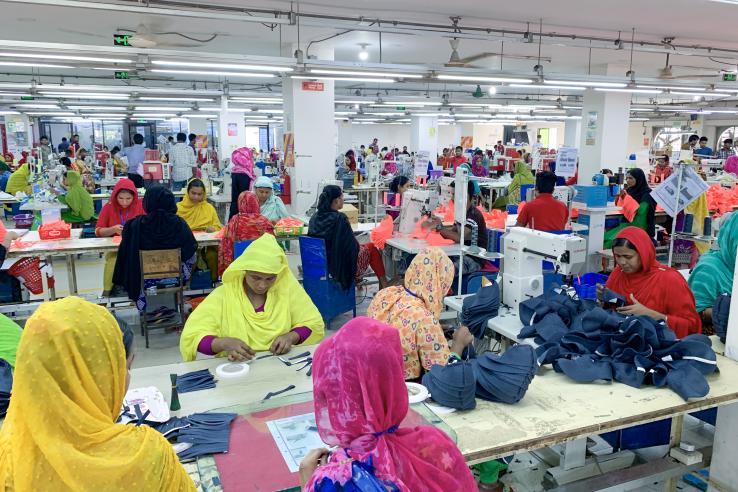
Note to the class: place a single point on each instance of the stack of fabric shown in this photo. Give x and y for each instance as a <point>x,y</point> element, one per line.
<point>199,433</point>
<point>195,381</point>
<point>452,385</point>
<point>588,343</point>
<point>479,308</point>
<point>6,385</point>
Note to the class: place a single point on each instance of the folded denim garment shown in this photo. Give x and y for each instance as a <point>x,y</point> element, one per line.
<point>195,381</point>
<point>452,385</point>
<point>207,432</point>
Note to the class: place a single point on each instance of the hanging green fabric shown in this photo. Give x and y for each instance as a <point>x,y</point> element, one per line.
<point>10,334</point>
<point>79,201</point>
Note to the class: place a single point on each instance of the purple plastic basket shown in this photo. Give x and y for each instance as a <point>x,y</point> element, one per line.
<point>23,221</point>
<point>436,174</point>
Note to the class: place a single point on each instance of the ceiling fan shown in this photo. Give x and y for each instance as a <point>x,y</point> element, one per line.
<point>455,60</point>
<point>145,37</point>
<point>667,73</point>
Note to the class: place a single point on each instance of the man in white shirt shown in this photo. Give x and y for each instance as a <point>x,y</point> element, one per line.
<point>182,158</point>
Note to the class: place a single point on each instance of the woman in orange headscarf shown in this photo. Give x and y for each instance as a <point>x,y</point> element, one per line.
<point>247,225</point>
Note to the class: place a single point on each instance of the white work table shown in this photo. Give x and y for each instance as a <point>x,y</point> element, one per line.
<point>414,246</point>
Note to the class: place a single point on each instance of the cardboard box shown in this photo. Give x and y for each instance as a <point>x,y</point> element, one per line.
<point>351,212</point>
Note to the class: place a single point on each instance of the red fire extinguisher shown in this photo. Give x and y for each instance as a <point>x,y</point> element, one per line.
<point>286,192</point>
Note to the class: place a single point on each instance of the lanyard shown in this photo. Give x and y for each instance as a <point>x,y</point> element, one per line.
<point>123,220</point>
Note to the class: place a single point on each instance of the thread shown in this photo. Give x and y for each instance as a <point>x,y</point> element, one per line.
<point>688,222</point>
<point>707,229</point>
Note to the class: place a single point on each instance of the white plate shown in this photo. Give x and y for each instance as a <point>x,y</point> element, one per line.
<point>416,392</point>
<point>232,370</point>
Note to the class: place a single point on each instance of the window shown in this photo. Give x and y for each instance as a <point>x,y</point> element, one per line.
<point>729,132</point>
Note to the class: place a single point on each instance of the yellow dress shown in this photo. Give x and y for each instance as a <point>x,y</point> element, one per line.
<point>200,216</point>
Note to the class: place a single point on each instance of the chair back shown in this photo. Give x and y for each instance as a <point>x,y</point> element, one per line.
<point>314,257</point>
<point>160,263</point>
<point>524,191</point>
<point>240,246</point>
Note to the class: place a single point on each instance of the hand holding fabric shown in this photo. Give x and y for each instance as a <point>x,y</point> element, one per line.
<point>461,339</point>
<point>638,309</point>
<point>311,462</point>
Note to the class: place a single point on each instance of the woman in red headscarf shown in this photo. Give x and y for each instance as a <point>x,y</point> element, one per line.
<point>123,205</point>
<point>247,225</point>
<point>360,403</point>
<point>650,288</point>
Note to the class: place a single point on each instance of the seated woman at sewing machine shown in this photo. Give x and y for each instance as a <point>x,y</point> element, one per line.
<point>19,181</point>
<point>259,307</point>
<point>347,259</point>
<point>201,216</point>
<point>648,288</point>
<point>80,165</point>
<point>398,186</point>
<point>81,207</point>
<point>270,204</point>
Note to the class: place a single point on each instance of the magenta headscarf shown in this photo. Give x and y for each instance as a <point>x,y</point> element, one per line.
<point>731,164</point>
<point>361,399</point>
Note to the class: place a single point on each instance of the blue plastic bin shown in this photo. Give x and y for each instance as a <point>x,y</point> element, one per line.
<point>591,195</point>
<point>586,285</point>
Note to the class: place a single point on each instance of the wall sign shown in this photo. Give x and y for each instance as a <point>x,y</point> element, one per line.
<point>566,162</point>
<point>232,129</point>
<point>313,86</point>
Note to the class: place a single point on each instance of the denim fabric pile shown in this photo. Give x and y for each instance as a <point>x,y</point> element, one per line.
<point>588,343</point>
<point>195,381</point>
<point>208,433</point>
<point>480,308</point>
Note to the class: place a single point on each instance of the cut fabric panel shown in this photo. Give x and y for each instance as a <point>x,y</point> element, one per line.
<point>452,385</point>
<point>505,378</point>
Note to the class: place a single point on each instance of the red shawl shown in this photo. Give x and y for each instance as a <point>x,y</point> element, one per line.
<point>657,286</point>
<point>112,213</point>
<point>247,225</point>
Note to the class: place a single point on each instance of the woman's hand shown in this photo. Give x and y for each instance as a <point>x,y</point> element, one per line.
<point>236,348</point>
<point>600,291</point>
<point>284,343</point>
<point>461,339</point>
<point>638,309</point>
<point>10,236</point>
<point>311,462</point>
<point>210,229</point>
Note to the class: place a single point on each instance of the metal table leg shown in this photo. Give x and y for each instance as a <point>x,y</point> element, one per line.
<point>72,275</point>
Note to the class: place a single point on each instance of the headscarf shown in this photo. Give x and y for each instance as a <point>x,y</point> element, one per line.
<point>416,308</point>
<point>340,244</point>
<point>3,165</point>
<point>273,208</point>
<point>731,164</point>
<point>10,334</point>
<point>79,200</point>
<point>199,216</point>
<point>352,160</point>
<point>18,181</point>
<point>656,286</point>
<point>71,356</point>
<point>713,274</point>
<point>641,192</point>
<point>227,311</point>
<point>160,228</point>
<point>361,399</point>
<point>247,225</point>
<point>112,214</point>
<point>523,176</point>
<point>478,168</point>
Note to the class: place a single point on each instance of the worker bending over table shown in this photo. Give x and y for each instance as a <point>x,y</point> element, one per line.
<point>260,306</point>
<point>415,310</point>
<point>271,205</point>
<point>347,259</point>
<point>201,216</point>
<point>544,213</point>
<point>360,401</point>
<point>649,288</point>
<point>72,353</point>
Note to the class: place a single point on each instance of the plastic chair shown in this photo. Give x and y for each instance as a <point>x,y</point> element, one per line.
<point>159,265</point>
<point>240,246</point>
<point>326,293</point>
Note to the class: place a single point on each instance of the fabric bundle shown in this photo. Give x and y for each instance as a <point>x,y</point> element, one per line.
<point>588,343</point>
<point>382,232</point>
<point>452,385</point>
<point>505,378</point>
<point>479,308</point>
<point>720,314</point>
<point>195,381</point>
<point>6,385</point>
<point>208,433</point>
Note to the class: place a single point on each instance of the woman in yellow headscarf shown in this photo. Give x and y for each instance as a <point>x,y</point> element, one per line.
<point>18,181</point>
<point>60,431</point>
<point>260,306</point>
<point>201,216</point>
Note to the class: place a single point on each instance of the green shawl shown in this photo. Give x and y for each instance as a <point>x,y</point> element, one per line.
<point>10,334</point>
<point>81,206</point>
<point>522,176</point>
<point>713,274</point>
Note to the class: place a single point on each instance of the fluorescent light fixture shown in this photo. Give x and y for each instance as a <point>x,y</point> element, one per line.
<point>721,111</point>
<point>585,84</point>
<point>11,85</point>
<point>551,87</point>
<point>345,112</point>
<point>472,115</point>
<point>161,108</point>
<point>730,91</point>
<point>82,95</point>
<point>471,78</point>
<point>32,65</point>
<point>155,115</point>
<point>353,102</point>
<point>275,111</point>
<point>351,73</point>
<point>122,97</point>
<point>104,115</point>
<point>38,106</point>
<point>411,103</point>
<point>671,88</point>
<point>3,113</point>
<point>98,108</point>
<point>47,56</point>
<point>386,114</point>
<point>13,94</point>
<point>469,105</point>
<point>639,119</point>
<point>197,115</point>
<point>51,113</point>
<point>632,91</point>
<point>643,110</point>
<point>254,101</point>
<point>224,66</point>
<point>149,98</point>
<point>214,73</point>
<point>344,79</point>
<point>697,94</point>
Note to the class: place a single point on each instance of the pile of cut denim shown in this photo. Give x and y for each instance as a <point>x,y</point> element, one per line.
<point>208,433</point>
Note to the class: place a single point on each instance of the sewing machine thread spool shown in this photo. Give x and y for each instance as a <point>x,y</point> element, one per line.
<point>688,222</point>
<point>707,228</point>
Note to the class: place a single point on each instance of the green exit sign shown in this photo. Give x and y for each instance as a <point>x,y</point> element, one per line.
<point>121,39</point>
<point>122,75</point>
<point>730,77</point>
<point>26,98</point>
<point>400,108</point>
<point>140,121</point>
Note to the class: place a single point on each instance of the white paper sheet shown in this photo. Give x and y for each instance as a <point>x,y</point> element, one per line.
<point>295,437</point>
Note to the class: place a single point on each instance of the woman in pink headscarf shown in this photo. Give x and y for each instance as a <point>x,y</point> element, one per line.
<point>360,401</point>
<point>731,165</point>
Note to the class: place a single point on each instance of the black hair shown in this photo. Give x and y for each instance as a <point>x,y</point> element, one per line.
<point>622,242</point>
<point>65,161</point>
<point>138,139</point>
<point>170,137</point>
<point>397,183</point>
<point>606,171</point>
<point>192,137</point>
<point>127,335</point>
<point>703,139</point>
<point>325,200</point>
<point>692,138</point>
<point>545,182</point>
<point>114,150</point>
<point>666,158</point>
<point>195,183</point>
<point>478,152</point>
<point>181,137</point>
<point>728,141</point>
<point>459,147</point>
<point>43,137</point>
<point>384,148</point>
<point>350,152</point>
<point>64,139</point>
<point>75,135</point>
<point>362,146</point>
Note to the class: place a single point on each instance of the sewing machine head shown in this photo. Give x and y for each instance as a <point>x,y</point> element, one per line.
<point>415,205</point>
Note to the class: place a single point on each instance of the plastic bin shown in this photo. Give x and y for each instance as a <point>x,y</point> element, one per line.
<point>591,195</point>
<point>23,221</point>
<point>586,285</point>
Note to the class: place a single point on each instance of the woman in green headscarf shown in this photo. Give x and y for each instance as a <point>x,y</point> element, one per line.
<point>713,274</point>
<point>522,176</point>
<point>10,334</point>
<point>81,207</point>
<point>18,181</point>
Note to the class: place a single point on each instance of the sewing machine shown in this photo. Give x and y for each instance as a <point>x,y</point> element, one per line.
<point>415,205</point>
<point>373,169</point>
<point>525,250</point>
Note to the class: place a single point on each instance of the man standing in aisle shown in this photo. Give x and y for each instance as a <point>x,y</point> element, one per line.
<point>458,158</point>
<point>544,213</point>
<point>727,149</point>
<point>404,150</point>
<point>691,143</point>
<point>75,143</point>
<point>135,155</point>
<point>375,146</point>
<point>499,148</point>
<point>703,148</point>
<point>44,150</point>
<point>63,146</point>
<point>182,159</point>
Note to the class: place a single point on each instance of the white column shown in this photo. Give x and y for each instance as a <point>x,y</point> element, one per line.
<point>572,133</point>
<point>231,130</point>
<point>345,136</point>
<point>424,135</point>
<point>199,126</point>
<point>309,116</point>
<point>604,135</point>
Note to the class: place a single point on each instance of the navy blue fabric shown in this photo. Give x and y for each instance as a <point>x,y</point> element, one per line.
<point>207,432</point>
<point>195,381</point>
<point>6,386</point>
<point>720,313</point>
<point>505,378</point>
<point>479,308</point>
<point>452,385</point>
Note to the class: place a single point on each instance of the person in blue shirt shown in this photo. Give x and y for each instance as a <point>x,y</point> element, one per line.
<point>703,149</point>
<point>135,154</point>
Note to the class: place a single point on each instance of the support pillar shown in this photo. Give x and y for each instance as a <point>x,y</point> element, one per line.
<point>604,134</point>
<point>231,130</point>
<point>424,135</point>
<point>572,133</point>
